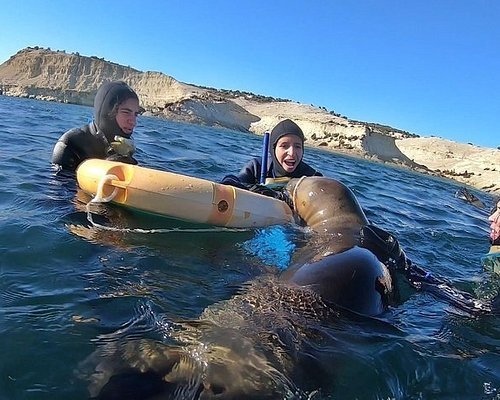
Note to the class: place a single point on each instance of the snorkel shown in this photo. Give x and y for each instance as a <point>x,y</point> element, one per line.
<point>265,154</point>
<point>272,183</point>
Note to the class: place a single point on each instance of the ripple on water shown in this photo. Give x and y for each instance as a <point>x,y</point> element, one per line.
<point>67,287</point>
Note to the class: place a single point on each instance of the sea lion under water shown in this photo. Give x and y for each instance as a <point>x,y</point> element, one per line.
<point>258,343</point>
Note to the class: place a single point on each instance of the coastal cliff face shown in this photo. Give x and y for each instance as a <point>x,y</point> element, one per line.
<point>71,78</point>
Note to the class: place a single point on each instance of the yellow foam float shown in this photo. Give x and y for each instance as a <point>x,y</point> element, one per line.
<point>180,196</point>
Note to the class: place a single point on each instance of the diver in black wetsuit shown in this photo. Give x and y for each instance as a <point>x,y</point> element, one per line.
<point>116,107</point>
<point>287,149</point>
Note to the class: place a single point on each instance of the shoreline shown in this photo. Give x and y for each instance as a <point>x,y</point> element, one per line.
<point>420,154</point>
<point>399,165</point>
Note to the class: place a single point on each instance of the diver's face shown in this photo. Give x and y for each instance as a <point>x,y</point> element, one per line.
<point>126,116</point>
<point>289,152</point>
<point>495,224</point>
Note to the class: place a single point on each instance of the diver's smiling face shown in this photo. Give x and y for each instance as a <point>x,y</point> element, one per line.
<point>289,152</point>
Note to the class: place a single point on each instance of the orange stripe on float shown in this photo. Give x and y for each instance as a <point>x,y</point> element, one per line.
<point>222,204</point>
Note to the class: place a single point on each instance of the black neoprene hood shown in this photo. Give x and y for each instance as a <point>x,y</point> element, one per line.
<point>285,127</point>
<point>109,95</point>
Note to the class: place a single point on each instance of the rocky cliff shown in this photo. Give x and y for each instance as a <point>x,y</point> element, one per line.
<point>72,78</point>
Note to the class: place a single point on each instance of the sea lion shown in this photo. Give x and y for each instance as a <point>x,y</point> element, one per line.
<point>255,345</point>
<point>333,264</point>
<point>466,195</point>
<point>259,344</point>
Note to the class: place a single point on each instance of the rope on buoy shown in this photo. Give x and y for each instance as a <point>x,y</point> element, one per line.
<point>99,198</point>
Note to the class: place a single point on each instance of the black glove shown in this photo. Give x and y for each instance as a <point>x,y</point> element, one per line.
<point>264,190</point>
<point>277,194</point>
<point>283,196</point>
<point>384,245</point>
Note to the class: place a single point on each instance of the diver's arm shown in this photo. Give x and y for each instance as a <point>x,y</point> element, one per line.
<point>250,172</point>
<point>387,249</point>
<point>246,177</point>
<point>64,156</point>
<point>233,180</point>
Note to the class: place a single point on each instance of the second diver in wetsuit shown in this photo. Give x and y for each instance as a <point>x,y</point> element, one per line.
<point>286,150</point>
<point>116,107</point>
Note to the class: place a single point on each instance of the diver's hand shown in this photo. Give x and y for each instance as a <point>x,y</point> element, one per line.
<point>123,146</point>
<point>277,194</point>
<point>385,246</point>
<point>264,190</point>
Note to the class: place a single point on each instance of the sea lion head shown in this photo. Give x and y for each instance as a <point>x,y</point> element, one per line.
<point>326,205</point>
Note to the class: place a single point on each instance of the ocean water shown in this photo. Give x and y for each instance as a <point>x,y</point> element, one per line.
<point>68,287</point>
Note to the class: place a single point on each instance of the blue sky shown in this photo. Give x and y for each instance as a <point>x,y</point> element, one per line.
<point>430,67</point>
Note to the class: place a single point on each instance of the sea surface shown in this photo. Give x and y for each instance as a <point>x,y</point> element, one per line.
<point>68,287</point>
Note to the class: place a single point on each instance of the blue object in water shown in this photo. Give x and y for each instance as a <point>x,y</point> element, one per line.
<point>272,246</point>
